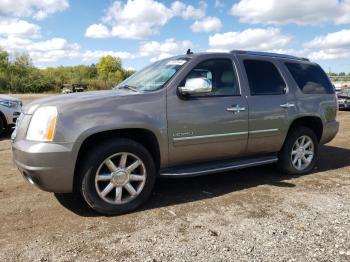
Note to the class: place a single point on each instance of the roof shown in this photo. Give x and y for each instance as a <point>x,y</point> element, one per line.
<point>267,54</point>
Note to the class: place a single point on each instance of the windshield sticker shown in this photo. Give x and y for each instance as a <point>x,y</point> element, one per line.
<point>176,62</point>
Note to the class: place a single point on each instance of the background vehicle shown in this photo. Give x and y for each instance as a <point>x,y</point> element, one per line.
<point>344,99</point>
<point>72,88</point>
<point>10,109</point>
<point>184,116</point>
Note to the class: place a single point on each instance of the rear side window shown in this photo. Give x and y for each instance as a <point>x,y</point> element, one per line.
<point>310,78</point>
<point>264,78</point>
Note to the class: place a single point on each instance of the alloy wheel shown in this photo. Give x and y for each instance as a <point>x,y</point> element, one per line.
<point>302,153</point>
<point>120,178</point>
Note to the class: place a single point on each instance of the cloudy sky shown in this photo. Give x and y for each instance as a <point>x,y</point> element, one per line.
<point>70,32</point>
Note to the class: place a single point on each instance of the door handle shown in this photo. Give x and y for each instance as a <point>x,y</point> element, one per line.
<point>235,109</point>
<point>287,105</point>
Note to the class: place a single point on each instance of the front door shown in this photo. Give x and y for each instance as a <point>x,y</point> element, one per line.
<point>209,126</point>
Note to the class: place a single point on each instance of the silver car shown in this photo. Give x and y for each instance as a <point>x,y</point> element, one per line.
<point>10,110</point>
<point>187,115</point>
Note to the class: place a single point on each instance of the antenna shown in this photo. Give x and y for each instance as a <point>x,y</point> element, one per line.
<point>189,52</point>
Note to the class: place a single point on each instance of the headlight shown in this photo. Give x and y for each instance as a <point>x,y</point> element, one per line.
<point>43,124</point>
<point>8,103</point>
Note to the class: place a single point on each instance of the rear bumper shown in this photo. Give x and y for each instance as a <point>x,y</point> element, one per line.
<point>330,130</point>
<point>49,166</point>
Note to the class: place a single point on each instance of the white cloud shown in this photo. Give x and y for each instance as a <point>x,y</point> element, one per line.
<point>207,24</point>
<point>18,28</point>
<point>252,39</point>
<point>189,11</point>
<point>97,31</point>
<point>38,9</point>
<point>219,4</point>
<point>159,50</point>
<point>55,49</point>
<point>334,45</point>
<point>330,54</point>
<point>279,12</point>
<point>53,44</point>
<point>138,19</point>
<point>42,51</point>
<point>133,31</point>
<point>331,40</point>
<point>344,17</point>
<point>96,54</point>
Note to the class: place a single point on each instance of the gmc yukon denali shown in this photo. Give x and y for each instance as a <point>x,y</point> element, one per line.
<point>187,115</point>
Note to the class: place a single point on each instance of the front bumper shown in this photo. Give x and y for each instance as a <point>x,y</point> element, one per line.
<point>11,115</point>
<point>49,166</point>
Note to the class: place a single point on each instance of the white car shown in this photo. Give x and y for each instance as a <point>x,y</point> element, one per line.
<point>10,110</point>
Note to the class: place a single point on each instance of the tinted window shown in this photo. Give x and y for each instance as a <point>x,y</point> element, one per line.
<point>264,78</point>
<point>310,78</point>
<point>221,74</point>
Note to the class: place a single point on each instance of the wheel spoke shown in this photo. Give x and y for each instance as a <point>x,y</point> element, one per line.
<point>302,141</point>
<point>306,161</point>
<point>308,143</point>
<point>299,163</point>
<point>130,189</point>
<point>107,189</point>
<point>295,159</point>
<point>309,152</point>
<point>111,166</point>
<point>137,178</point>
<point>309,158</point>
<point>118,194</point>
<point>294,152</point>
<point>122,162</point>
<point>104,177</point>
<point>133,166</point>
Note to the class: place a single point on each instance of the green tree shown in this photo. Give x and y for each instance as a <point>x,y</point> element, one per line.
<point>4,66</point>
<point>107,68</point>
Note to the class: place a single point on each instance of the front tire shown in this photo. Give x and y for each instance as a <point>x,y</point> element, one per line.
<point>117,176</point>
<point>300,152</point>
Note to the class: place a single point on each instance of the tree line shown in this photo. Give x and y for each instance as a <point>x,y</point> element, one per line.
<point>19,75</point>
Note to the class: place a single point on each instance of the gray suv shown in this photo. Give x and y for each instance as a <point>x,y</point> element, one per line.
<point>184,116</point>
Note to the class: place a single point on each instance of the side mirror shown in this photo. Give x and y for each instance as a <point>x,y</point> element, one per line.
<point>196,86</point>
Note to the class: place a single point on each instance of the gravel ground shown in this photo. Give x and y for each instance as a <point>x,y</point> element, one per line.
<point>254,214</point>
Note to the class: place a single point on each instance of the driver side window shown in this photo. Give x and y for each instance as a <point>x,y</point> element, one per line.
<point>220,73</point>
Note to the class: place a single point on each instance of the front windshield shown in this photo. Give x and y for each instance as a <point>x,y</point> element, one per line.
<point>154,76</point>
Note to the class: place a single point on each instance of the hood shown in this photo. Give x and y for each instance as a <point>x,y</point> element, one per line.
<point>11,98</point>
<point>63,102</point>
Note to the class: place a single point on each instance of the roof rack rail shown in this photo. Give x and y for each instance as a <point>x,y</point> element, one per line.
<point>257,53</point>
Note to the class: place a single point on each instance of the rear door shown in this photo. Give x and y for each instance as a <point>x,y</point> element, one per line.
<point>270,102</point>
<point>210,126</point>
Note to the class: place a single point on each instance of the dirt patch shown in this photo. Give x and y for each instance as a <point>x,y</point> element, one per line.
<point>251,214</point>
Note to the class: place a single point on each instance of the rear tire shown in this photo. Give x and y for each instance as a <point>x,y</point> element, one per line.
<point>124,169</point>
<point>300,152</point>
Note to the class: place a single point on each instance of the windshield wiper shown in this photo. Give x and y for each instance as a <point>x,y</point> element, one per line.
<point>132,88</point>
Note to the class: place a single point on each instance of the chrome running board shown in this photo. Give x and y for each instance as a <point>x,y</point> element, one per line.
<point>216,167</point>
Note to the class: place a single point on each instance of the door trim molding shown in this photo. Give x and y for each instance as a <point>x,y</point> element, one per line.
<point>263,131</point>
<point>186,138</point>
<point>209,136</point>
